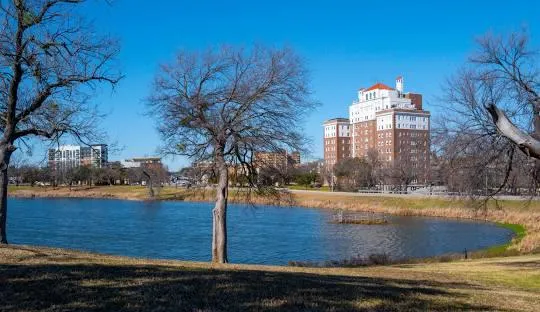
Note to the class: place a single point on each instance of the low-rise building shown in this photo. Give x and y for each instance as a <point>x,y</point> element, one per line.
<point>143,162</point>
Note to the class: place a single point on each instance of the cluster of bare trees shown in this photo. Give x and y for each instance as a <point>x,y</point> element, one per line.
<point>112,174</point>
<point>354,173</point>
<point>370,172</point>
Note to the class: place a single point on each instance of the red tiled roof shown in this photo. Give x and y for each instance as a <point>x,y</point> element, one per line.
<point>380,86</point>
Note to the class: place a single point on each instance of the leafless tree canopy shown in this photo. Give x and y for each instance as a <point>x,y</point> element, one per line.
<point>231,101</point>
<point>223,105</point>
<point>491,108</point>
<point>50,62</point>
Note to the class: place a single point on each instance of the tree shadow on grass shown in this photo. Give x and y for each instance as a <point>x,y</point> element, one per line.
<point>81,287</point>
<point>533,264</point>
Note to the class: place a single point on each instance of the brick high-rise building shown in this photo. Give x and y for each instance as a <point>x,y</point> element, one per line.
<point>337,140</point>
<point>391,122</point>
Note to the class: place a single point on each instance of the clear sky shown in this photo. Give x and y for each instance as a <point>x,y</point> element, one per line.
<point>346,45</point>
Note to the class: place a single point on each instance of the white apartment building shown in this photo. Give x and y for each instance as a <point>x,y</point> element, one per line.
<point>73,156</point>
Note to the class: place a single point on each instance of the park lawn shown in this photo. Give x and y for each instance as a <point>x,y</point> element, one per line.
<point>309,188</point>
<point>45,279</point>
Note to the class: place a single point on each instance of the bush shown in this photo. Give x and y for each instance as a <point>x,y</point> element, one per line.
<point>379,259</point>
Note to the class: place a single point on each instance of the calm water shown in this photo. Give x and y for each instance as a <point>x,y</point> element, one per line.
<point>264,235</point>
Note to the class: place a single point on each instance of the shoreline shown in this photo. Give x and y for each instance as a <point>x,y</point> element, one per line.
<point>330,263</point>
<point>512,215</point>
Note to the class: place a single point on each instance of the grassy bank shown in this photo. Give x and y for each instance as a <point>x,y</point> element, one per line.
<point>309,188</point>
<point>38,279</point>
<point>524,214</point>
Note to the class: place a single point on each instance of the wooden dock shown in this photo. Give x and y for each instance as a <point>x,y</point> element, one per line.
<point>371,219</point>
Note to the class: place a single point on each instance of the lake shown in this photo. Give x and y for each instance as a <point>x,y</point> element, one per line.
<point>257,235</point>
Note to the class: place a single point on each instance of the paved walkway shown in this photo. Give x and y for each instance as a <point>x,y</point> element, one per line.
<point>499,197</point>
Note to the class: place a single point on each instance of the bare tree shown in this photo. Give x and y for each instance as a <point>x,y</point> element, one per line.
<point>223,106</point>
<point>50,62</point>
<point>400,173</point>
<point>492,108</point>
<point>374,161</point>
<point>353,173</point>
<point>510,67</point>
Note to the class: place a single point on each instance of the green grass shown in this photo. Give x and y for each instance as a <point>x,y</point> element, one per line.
<point>504,249</point>
<point>308,188</point>
<point>518,229</point>
<point>12,188</point>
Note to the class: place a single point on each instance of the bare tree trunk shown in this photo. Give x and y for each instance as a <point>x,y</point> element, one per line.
<point>3,205</point>
<point>219,225</point>
<point>150,186</point>
<point>5,155</point>
<point>526,143</point>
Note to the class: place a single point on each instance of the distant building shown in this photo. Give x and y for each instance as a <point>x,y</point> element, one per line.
<point>279,159</point>
<point>385,120</point>
<point>143,162</point>
<point>72,156</point>
<point>295,158</point>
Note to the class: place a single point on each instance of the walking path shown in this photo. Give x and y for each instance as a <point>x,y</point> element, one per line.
<point>498,197</point>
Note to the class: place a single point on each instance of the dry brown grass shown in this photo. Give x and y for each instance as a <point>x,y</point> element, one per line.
<point>45,279</point>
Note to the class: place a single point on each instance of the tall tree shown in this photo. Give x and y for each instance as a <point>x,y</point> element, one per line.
<point>510,67</point>
<point>223,105</point>
<point>492,109</point>
<point>50,62</point>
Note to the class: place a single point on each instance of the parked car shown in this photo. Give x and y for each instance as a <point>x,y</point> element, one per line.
<point>183,183</point>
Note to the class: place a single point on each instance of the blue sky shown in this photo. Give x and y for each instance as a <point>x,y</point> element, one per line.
<point>346,45</point>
